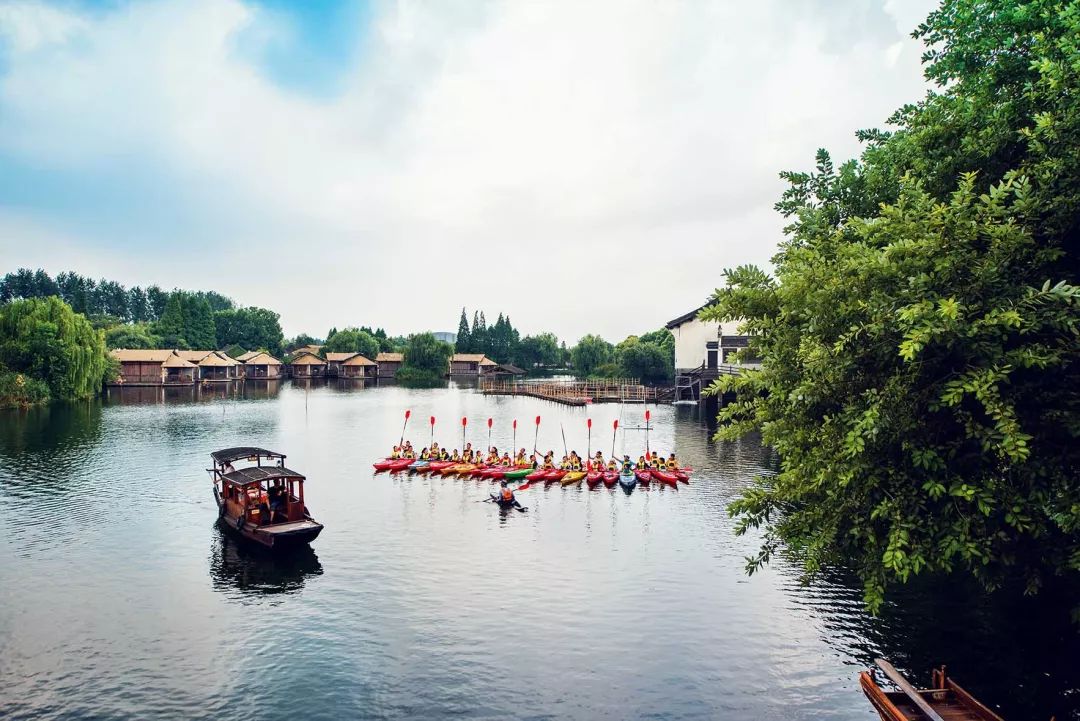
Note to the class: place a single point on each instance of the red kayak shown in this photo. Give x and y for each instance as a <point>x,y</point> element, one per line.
<point>537,475</point>
<point>643,476</point>
<point>555,474</point>
<point>394,464</point>
<point>439,465</point>
<point>384,464</point>
<point>669,478</point>
<point>593,478</point>
<point>496,472</point>
<point>611,478</point>
<point>683,474</point>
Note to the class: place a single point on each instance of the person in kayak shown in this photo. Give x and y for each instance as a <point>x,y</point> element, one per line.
<point>443,455</point>
<point>396,454</point>
<point>506,496</point>
<point>548,465</point>
<point>425,454</point>
<point>612,465</point>
<point>672,464</point>
<point>521,461</point>
<point>598,461</point>
<point>642,464</point>
<point>505,461</point>
<point>456,456</point>
<point>627,465</point>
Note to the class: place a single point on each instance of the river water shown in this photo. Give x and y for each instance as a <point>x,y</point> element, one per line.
<point>121,599</point>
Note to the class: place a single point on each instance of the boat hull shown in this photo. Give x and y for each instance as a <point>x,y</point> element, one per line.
<point>277,537</point>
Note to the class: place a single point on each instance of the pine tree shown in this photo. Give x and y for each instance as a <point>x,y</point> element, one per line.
<point>463,338</point>
<point>171,325</point>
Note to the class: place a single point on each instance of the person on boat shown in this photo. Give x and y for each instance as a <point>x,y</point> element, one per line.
<point>642,464</point>
<point>612,465</point>
<point>425,454</point>
<point>466,455</point>
<point>396,454</point>
<point>598,461</point>
<point>627,466</point>
<point>456,456</point>
<point>655,463</point>
<point>575,462</point>
<point>521,461</point>
<point>506,496</point>
<point>533,462</point>
<point>228,468</point>
<point>505,461</point>
<point>278,497</point>
<point>672,464</point>
<point>435,448</point>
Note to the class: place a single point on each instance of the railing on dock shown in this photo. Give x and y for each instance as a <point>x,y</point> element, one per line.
<point>578,393</point>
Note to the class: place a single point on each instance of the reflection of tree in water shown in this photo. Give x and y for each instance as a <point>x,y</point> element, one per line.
<point>49,427</point>
<point>951,621</point>
<point>237,567</point>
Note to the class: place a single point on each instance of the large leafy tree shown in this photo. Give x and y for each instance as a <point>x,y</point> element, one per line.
<point>921,376</point>
<point>46,340</point>
<point>426,359</point>
<point>352,340</point>
<point>251,328</point>
<point>590,353</point>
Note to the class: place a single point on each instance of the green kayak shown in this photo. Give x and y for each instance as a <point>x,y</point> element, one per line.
<point>519,473</point>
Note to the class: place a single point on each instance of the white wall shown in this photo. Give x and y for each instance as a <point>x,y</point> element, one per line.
<point>691,337</point>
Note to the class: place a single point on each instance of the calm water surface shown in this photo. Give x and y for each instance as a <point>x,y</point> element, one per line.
<point>121,599</point>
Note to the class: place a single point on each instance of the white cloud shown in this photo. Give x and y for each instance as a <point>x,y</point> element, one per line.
<point>583,167</point>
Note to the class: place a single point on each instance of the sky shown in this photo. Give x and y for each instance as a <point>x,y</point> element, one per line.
<point>584,167</point>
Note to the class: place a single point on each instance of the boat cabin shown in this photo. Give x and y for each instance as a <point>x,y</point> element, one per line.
<point>264,501</point>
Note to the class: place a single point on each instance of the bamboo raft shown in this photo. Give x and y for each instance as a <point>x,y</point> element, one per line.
<point>575,393</point>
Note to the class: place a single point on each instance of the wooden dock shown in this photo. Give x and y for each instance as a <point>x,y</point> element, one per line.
<point>578,393</point>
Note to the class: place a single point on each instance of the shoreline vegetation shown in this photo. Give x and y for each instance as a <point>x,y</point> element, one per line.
<point>99,316</point>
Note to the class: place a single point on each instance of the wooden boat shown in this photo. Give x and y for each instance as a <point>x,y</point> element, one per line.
<point>263,503</point>
<point>944,701</point>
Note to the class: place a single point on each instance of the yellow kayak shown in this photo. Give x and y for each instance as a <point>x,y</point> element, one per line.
<point>572,477</point>
<point>460,468</point>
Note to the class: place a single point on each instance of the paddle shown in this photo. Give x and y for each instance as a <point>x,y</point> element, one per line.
<point>614,432</point>
<point>647,432</point>
<point>432,441</point>
<point>536,435</point>
<point>563,430</point>
<point>514,444</point>
<point>407,414</point>
<point>908,689</point>
<point>489,435</point>
<point>464,422</point>
<point>588,454</point>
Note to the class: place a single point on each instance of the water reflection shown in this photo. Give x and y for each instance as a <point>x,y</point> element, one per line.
<point>245,570</point>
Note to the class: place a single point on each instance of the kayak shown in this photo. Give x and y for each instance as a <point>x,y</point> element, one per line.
<point>610,477</point>
<point>572,477</point>
<point>554,474</point>
<point>506,505</point>
<point>643,476</point>
<point>458,468</point>
<point>669,478</point>
<point>628,479</point>
<point>538,475</point>
<point>496,473</point>
<point>517,473</point>
<point>439,465</point>
<point>683,474</point>
<point>418,465</point>
<point>384,464</point>
<point>593,478</point>
<point>399,464</point>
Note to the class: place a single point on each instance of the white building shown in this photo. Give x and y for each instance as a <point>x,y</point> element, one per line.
<point>705,344</point>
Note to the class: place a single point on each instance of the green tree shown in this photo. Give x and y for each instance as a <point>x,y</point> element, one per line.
<point>538,350</point>
<point>134,335</point>
<point>249,327</point>
<point>590,352</point>
<point>47,341</point>
<point>426,360</point>
<point>921,380</point>
<point>199,331</point>
<point>649,362</point>
<point>463,339</point>
<point>300,341</point>
<point>170,326</point>
<point>352,340</point>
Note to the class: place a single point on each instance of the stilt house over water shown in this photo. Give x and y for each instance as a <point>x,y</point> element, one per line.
<point>704,350</point>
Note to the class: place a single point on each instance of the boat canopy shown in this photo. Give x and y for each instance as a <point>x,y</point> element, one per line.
<point>258,474</point>
<point>228,455</point>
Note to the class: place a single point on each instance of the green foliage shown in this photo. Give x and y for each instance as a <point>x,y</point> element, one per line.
<point>426,359</point>
<point>920,340</point>
<point>538,350</point>
<point>187,322</point>
<point>648,361</point>
<point>18,390</point>
<point>590,352</point>
<point>250,328</point>
<point>352,340</point>
<point>97,298</point>
<point>45,340</point>
<point>464,340</point>
<point>133,335</point>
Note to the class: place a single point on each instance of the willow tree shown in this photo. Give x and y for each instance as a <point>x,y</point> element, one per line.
<point>920,336</point>
<point>46,340</point>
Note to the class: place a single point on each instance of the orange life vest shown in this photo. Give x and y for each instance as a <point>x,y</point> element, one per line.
<point>507,495</point>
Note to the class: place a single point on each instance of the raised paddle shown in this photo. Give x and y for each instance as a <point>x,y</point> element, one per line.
<point>614,432</point>
<point>588,454</point>
<point>464,422</point>
<point>897,678</point>
<point>514,444</point>
<point>489,435</point>
<point>407,414</point>
<point>432,441</point>
<point>647,413</point>
<point>536,434</point>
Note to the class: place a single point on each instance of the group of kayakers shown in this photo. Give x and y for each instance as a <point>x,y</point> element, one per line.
<point>569,462</point>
